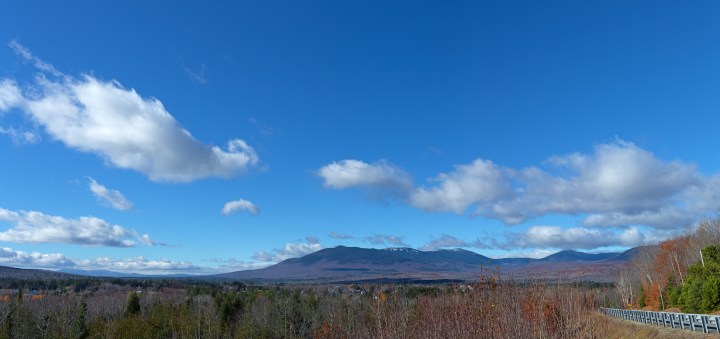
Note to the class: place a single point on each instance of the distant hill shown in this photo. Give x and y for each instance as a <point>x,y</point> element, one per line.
<point>20,273</point>
<point>100,273</point>
<point>362,264</point>
<point>629,254</point>
<point>113,274</point>
<point>575,256</point>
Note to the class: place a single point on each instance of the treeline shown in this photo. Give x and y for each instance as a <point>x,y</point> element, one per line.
<point>681,272</point>
<point>89,284</point>
<point>483,309</point>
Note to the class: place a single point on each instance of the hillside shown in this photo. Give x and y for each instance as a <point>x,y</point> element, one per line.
<point>19,273</point>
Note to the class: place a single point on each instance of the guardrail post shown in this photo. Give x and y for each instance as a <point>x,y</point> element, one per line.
<point>672,320</point>
<point>692,322</point>
<point>704,323</point>
<point>682,321</point>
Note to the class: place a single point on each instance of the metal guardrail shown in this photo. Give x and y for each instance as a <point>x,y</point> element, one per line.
<point>695,322</point>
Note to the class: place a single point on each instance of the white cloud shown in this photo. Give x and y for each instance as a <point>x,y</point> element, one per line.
<point>10,257</point>
<point>125,129</point>
<point>290,250</point>
<point>112,197</point>
<point>36,227</point>
<point>355,173</point>
<point>240,205</point>
<point>9,95</point>
<point>136,264</point>
<point>477,183</point>
<point>669,217</point>
<point>574,238</point>
<point>618,184</point>
<point>618,179</point>
<point>384,239</point>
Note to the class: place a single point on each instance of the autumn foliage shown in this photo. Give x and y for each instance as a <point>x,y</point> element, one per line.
<point>672,274</point>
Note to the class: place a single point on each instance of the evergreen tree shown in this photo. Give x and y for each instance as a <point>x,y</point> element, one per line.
<point>701,293</point>
<point>641,297</point>
<point>79,327</point>
<point>133,305</point>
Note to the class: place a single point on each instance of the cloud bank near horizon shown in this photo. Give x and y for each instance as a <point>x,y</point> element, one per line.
<point>38,227</point>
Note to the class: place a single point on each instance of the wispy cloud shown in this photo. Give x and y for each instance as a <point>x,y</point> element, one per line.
<point>111,197</point>
<point>37,227</point>
<point>262,129</point>
<point>341,236</point>
<point>240,205</point>
<point>233,264</point>
<point>197,75</point>
<point>446,241</point>
<point>384,239</point>
<point>127,130</point>
<point>20,136</point>
<point>25,53</point>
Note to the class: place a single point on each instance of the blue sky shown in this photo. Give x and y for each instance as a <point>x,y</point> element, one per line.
<point>201,137</point>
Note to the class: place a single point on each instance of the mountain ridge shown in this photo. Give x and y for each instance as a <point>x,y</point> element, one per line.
<point>346,263</point>
<point>343,263</point>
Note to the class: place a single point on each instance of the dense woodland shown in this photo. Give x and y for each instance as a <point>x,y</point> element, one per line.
<point>682,272</point>
<point>104,308</point>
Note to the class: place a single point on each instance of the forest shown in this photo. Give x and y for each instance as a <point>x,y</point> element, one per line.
<point>104,308</point>
<point>679,274</point>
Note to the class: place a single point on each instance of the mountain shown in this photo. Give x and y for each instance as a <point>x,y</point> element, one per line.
<point>353,263</point>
